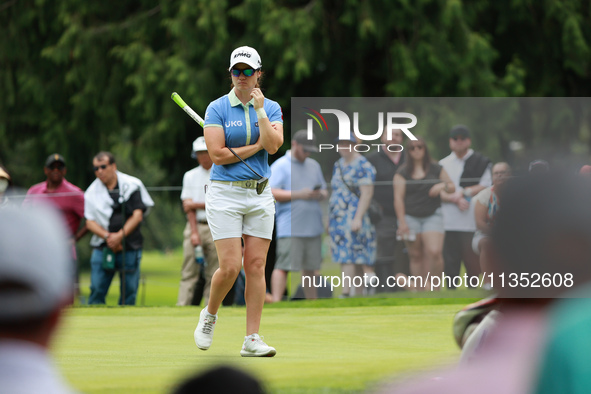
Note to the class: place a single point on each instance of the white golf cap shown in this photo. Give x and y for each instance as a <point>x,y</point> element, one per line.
<point>246,55</point>
<point>36,267</point>
<point>199,145</point>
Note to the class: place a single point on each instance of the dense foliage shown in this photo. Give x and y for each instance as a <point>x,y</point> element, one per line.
<point>78,77</point>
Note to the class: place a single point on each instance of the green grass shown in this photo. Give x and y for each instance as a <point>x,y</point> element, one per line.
<point>159,283</point>
<point>344,349</point>
<point>324,346</point>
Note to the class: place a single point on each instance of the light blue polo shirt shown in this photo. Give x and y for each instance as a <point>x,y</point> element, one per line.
<point>297,218</point>
<point>240,125</point>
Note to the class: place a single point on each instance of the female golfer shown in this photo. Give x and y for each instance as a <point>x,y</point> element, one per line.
<point>252,126</point>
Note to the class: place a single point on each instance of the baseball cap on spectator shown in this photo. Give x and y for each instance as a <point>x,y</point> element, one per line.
<point>54,158</point>
<point>539,167</point>
<point>459,131</point>
<point>36,270</point>
<point>301,137</point>
<point>246,55</point>
<point>350,139</point>
<point>198,146</point>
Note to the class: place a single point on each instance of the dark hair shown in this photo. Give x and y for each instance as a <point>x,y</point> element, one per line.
<point>408,167</point>
<point>103,154</point>
<point>221,380</point>
<point>544,229</point>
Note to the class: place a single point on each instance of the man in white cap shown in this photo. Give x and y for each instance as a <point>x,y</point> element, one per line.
<point>36,285</point>
<point>196,232</point>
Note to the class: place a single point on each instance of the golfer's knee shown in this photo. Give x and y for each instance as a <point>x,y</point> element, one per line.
<point>229,273</point>
<point>255,267</point>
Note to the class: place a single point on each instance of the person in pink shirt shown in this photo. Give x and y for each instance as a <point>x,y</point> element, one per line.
<point>68,198</point>
<point>65,196</point>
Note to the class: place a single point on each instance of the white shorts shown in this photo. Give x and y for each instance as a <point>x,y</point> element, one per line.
<point>233,211</point>
<point>476,240</point>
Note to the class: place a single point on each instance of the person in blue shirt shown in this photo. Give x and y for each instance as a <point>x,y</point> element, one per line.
<point>298,186</point>
<point>252,126</point>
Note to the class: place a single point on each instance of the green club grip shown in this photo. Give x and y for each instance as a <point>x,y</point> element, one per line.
<point>177,99</point>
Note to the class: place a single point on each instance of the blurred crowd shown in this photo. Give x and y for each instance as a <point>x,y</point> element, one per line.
<point>395,212</point>
<point>391,213</point>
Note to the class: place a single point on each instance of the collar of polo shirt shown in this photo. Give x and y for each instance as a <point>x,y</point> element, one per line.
<point>234,100</point>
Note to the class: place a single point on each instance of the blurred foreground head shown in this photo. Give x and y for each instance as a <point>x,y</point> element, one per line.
<point>36,270</point>
<point>543,232</point>
<point>221,379</point>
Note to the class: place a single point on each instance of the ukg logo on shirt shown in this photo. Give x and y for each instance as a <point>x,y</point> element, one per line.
<point>234,123</point>
<point>390,119</point>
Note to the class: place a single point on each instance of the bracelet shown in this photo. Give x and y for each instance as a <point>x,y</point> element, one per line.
<point>261,113</point>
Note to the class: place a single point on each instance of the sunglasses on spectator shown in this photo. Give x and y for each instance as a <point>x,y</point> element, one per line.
<point>500,172</point>
<point>460,138</point>
<point>102,167</point>
<point>421,147</point>
<point>248,72</point>
<point>56,166</point>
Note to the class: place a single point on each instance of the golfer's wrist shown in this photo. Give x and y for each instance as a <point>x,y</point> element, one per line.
<point>261,113</point>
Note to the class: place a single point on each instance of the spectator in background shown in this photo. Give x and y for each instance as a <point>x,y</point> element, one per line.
<point>543,230</point>
<point>566,355</point>
<point>417,186</point>
<point>36,286</point>
<point>470,173</point>
<point>390,256</point>
<point>115,205</point>
<point>65,196</point>
<point>5,183</point>
<point>485,210</point>
<point>196,231</point>
<point>564,366</point>
<point>353,238</point>
<point>585,170</point>
<point>298,186</point>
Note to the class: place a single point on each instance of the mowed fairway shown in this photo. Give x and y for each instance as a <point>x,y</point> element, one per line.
<point>324,346</point>
<point>320,349</point>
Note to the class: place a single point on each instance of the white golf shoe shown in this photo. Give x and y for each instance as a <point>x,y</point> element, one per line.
<point>204,331</point>
<point>255,347</point>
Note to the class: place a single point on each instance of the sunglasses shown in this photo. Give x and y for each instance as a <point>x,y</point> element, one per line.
<point>102,167</point>
<point>421,147</point>
<point>500,173</point>
<point>459,138</point>
<point>248,72</point>
<point>56,166</point>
